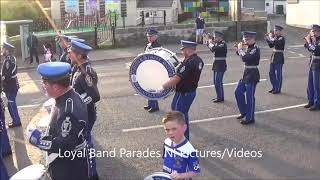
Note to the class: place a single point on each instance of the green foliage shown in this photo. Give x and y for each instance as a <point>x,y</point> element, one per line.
<point>18,10</point>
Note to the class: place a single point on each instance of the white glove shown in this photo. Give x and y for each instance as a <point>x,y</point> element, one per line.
<point>159,90</point>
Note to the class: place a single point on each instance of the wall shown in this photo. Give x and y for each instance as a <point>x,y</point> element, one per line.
<point>303,14</point>
<point>88,36</point>
<point>174,33</point>
<point>271,9</point>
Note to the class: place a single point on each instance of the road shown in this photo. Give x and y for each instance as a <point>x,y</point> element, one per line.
<point>286,134</point>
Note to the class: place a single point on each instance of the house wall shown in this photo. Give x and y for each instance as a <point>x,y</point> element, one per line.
<point>303,14</point>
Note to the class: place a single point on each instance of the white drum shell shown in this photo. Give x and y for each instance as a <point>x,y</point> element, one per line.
<point>32,172</point>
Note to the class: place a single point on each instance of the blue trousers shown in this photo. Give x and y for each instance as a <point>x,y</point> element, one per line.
<point>218,84</point>
<point>181,102</point>
<point>153,104</point>
<point>3,169</point>
<point>244,94</point>
<point>313,90</point>
<point>92,160</point>
<point>5,144</point>
<point>12,106</point>
<point>275,75</point>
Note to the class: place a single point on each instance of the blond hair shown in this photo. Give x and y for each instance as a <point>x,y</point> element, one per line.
<point>174,116</point>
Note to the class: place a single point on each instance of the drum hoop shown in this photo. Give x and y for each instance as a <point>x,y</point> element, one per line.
<point>166,175</point>
<point>133,71</point>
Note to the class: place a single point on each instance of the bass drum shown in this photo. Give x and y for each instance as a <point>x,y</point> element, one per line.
<point>158,176</point>
<point>150,70</point>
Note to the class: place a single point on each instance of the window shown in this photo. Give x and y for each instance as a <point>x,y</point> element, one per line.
<point>293,1</point>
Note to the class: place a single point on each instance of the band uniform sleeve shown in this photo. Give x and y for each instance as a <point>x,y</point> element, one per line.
<point>270,43</point>
<point>70,128</point>
<point>89,85</point>
<point>193,163</point>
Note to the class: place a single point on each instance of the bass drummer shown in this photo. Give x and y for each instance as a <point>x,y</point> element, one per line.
<point>152,35</point>
<point>185,81</point>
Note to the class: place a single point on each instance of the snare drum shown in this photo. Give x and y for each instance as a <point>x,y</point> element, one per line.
<point>150,70</point>
<point>33,172</point>
<point>158,176</point>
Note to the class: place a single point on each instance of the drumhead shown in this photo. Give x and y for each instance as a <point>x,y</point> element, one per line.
<point>151,70</point>
<point>158,176</point>
<point>33,172</point>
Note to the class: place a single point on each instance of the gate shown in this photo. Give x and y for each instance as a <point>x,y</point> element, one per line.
<point>105,29</point>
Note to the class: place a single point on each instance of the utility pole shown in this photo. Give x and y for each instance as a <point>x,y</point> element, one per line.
<point>238,36</point>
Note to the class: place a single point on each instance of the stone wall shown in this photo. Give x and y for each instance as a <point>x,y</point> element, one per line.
<point>174,33</point>
<point>170,34</point>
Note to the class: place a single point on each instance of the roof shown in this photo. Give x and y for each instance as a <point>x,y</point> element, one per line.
<point>154,3</point>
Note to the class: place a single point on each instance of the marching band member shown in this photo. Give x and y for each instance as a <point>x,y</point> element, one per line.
<point>152,35</point>
<point>10,84</point>
<point>219,47</point>
<point>314,73</point>
<point>185,80</point>
<point>276,41</point>
<point>84,81</point>
<point>68,125</point>
<point>249,52</point>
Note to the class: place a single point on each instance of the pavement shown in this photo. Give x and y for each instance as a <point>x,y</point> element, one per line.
<point>286,135</point>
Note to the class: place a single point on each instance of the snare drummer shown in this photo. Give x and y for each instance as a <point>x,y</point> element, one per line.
<point>152,35</point>
<point>185,80</point>
<point>67,129</point>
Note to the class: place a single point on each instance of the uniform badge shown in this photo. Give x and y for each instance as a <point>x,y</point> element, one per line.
<point>66,127</point>
<point>89,80</point>
<point>253,51</point>
<point>196,165</point>
<point>182,69</point>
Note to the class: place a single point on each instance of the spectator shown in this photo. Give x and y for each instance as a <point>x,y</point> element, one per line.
<point>32,43</point>
<point>200,25</point>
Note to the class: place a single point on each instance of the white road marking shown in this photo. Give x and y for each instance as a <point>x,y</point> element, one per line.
<point>295,46</point>
<point>215,118</point>
<point>226,84</point>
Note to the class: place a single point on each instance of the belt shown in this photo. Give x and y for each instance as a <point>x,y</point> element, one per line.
<point>219,58</point>
<point>277,50</point>
<point>13,76</point>
<point>250,67</point>
<point>315,57</point>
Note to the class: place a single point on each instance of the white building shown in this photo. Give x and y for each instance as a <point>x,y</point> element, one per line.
<point>153,10</point>
<point>303,13</point>
<point>270,6</point>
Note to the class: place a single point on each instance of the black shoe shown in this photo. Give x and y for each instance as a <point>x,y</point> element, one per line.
<point>5,154</point>
<point>218,100</point>
<point>314,108</point>
<point>309,105</point>
<point>276,92</point>
<point>244,122</point>
<point>146,107</point>
<point>11,125</point>
<point>271,91</point>
<point>96,177</point>
<point>241,116</point>
<point>151,110</point>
